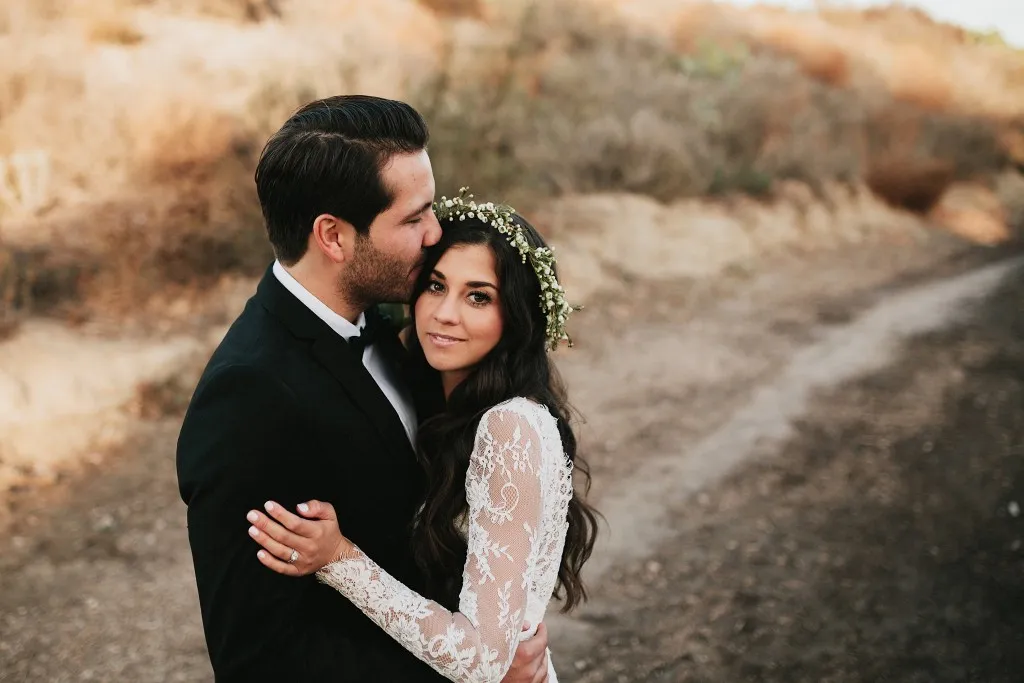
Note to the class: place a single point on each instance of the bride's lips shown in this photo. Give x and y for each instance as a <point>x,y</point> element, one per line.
<point>442,340</point>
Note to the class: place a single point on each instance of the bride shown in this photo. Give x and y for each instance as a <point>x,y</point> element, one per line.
<point>502,529</point>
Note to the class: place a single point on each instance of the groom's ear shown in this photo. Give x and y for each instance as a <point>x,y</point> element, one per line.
<point>334,237</point>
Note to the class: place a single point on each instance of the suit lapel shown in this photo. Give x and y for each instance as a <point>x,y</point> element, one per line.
<point>425,388</point>
<point>339,360</point>
<point>331,351</point>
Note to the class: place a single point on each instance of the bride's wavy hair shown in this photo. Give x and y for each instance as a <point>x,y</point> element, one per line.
<point>517,366</point>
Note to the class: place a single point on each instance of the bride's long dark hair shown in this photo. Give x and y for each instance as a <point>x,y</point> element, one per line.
<point>518,366</point>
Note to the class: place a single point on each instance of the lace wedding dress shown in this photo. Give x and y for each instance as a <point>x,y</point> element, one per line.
<point>518,487</point>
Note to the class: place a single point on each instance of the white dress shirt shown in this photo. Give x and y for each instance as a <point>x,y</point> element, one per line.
<point>373,361</point>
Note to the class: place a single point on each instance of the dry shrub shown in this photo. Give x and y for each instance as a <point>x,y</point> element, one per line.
<point>808,45</point>
<point>142,253</point>
<point>972,144</point>
<point>114,30</point>
<point>110,22</point>
<point>9,287</point>
<point>455,8</point>
<point>921,61</point>
<point>34,280</point>
<point>910,184</point>
<point>144,247</point>
<point>541,99</point>
<point>897,22</point>
<point>235,10</point>
<point>568,99</point>
<point>182,137</point>
<point>920,77</point>
<point>25,16</point>
<point>909,135</point>
<point>153,158</point>
<point>106,21</point>
<point>560,98</point>
<point>813,51</point>
<point>1012,140</point>
<point>930,64</point>
<point>191,216</point>
<point>47,104</point>
<point>694,20</point>
<point>163,397</point>
<point>1010,190</point>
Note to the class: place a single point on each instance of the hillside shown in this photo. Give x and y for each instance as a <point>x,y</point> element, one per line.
<point>138,122</point>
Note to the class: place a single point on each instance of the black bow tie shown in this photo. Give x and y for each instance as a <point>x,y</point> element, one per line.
<point>368,335</point>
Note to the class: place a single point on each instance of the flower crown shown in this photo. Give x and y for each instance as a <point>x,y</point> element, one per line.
<point>501,217</point>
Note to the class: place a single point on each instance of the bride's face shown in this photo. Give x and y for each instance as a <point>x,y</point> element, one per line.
<point>458,315</point>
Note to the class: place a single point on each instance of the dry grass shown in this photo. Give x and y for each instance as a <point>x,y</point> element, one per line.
<point>249,11</point>
<point>34,280</point>
<point>8,293</point>
<point>475,9</point>
<point>114,31</point>
<point>565,99</point>
<point>151,147</point>
<point>916,59</point>
<point>817,56</point>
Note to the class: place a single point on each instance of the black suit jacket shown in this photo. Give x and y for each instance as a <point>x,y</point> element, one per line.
<point>285,411</point>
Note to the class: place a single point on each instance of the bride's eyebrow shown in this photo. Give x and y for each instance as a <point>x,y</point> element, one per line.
<point>475,283</point>
<point>481,283</point>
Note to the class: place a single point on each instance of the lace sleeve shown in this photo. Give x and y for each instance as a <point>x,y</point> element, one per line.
<point>503,489</point>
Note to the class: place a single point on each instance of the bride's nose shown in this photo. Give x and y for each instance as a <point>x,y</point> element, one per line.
<point>447,311</point>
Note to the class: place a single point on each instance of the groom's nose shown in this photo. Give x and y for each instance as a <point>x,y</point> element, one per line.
<point>433,233</point>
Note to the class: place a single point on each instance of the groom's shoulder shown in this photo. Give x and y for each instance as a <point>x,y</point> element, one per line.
<point>253,349</point>
<point>254,338</point>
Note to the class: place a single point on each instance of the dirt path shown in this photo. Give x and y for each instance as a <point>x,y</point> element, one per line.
<point>96,581</point>
<point>637,508</point>
<point>882,541</point>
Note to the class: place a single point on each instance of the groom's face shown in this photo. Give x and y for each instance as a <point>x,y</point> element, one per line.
<point>388,258</point>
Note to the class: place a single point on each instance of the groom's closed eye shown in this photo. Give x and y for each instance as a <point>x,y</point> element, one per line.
<point>417,215</point>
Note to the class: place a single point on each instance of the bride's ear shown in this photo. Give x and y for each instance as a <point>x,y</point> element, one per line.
<point>334,237</point>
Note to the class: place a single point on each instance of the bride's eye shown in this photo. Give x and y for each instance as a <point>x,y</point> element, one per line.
<point>479,298</point>
<point>435,286</point>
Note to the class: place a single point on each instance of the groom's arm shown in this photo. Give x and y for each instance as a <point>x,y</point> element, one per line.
<point>240,445</point>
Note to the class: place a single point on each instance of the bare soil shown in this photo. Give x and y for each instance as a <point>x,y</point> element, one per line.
<point>876,539</point>
<point>882,543</point>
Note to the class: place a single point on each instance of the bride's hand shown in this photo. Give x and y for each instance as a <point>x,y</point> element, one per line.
<point>294,546</point>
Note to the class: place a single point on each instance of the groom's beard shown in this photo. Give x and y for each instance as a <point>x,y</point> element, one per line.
<point>376,277</point>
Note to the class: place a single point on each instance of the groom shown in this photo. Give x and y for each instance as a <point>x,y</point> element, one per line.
<point>301,401</point>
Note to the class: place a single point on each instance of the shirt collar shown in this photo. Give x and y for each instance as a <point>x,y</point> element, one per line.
<point>336,322</point>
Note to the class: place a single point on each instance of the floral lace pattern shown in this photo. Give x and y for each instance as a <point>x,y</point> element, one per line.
<point>518,487</point>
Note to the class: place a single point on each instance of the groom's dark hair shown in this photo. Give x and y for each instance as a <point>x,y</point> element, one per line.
<point>327,158</point>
